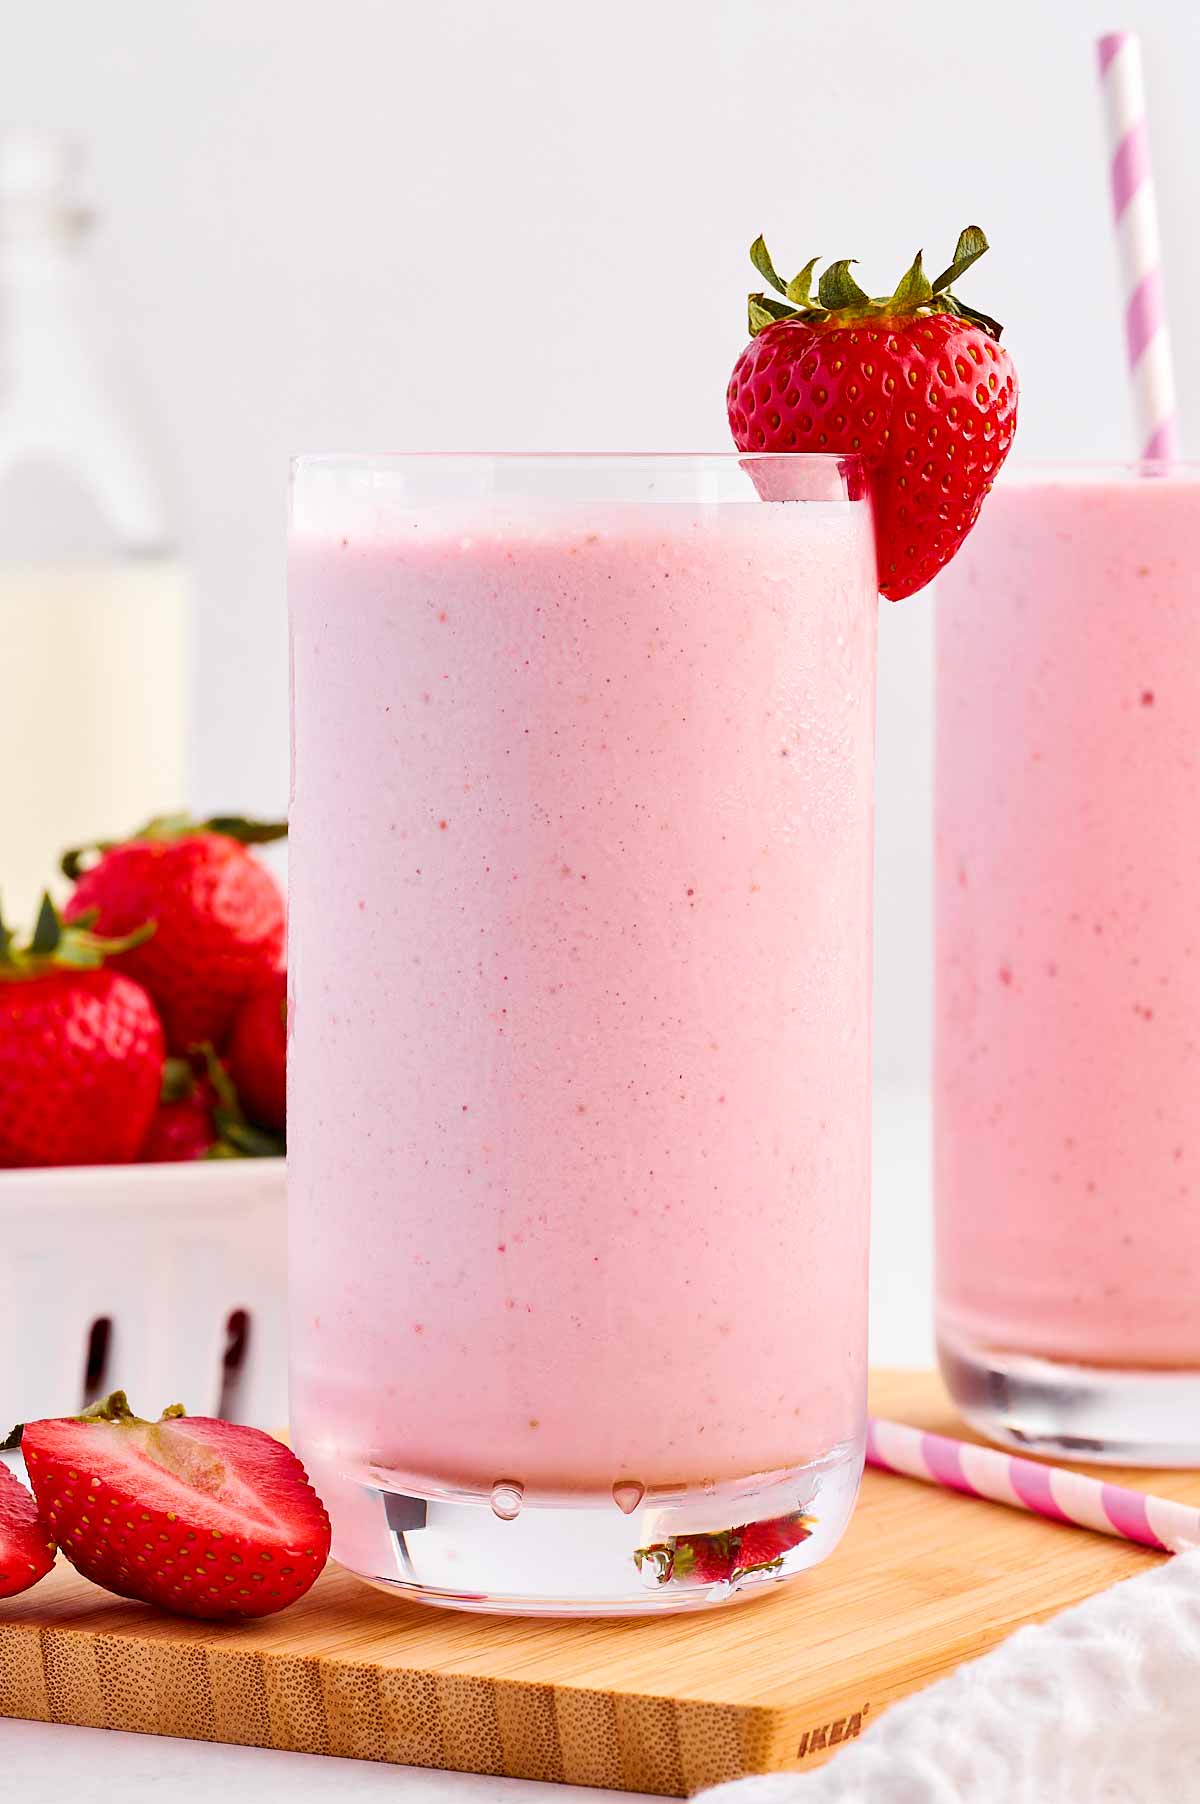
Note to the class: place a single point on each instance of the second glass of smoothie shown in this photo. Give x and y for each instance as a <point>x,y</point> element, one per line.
<point>580,1060</point>
<point>1068,965</point>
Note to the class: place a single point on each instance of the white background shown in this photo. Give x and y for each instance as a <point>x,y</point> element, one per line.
<point>369,224</point>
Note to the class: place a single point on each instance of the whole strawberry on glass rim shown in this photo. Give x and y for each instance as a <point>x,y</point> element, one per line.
<point>218,916</point>
<point>915,383</point>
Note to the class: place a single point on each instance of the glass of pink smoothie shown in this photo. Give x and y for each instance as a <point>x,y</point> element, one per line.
<point>580,1029</point>
<point>1067,1041</point>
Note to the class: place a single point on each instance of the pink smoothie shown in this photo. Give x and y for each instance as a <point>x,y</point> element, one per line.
<point>1068,925</point>
<point>580,951</point>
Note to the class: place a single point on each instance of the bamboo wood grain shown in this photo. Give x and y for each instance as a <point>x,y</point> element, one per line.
<point>924,1580</point>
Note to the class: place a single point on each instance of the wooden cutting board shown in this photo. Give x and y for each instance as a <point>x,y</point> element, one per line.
<point>923,1580</point>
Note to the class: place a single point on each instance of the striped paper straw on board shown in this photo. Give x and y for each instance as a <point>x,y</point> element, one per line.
<point>1135,216</point>
<point>1027,1484</point>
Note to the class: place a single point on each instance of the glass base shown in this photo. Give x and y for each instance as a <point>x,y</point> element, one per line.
<point>632,1554</point>
<point>1106,1415</point>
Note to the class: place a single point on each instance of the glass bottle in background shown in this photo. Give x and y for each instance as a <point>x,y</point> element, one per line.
<point>93,604</point>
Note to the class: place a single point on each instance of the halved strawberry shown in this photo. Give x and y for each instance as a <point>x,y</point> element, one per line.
<point>26,1544</point>
<point>703,1559</point>
<point>763,1544</point>
<point>203,1518</point>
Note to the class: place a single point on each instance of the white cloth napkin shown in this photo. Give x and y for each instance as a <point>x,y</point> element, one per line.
<point>1101,1705</point>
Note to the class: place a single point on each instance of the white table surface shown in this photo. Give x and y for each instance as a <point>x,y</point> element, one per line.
<point>43,1764</point>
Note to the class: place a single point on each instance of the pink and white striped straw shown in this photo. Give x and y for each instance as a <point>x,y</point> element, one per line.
<point>1026,1484</point>
<point>1135,216</point>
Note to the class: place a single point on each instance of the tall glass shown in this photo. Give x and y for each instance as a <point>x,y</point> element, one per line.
<point>580,956</point>
<point>1068,965</point>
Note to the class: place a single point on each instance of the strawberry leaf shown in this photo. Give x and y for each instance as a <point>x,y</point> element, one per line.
<point>47,932</point>
<point>249,1141</point>
<point>237,1138</point>
<point>760,256</point>
<point>178,1081</point>
<point>78,859</point>
<point>913,289</point>
<point>837,287</point>
<point>970,247</point>
<point>991,326</point>
<point>763,312</point>
<point>55,945</point>
<point>246,832</point>
<point>799,289</point>
<point>839,293</point>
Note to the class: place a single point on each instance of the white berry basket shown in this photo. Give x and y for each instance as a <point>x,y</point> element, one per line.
<point>167,1281</point>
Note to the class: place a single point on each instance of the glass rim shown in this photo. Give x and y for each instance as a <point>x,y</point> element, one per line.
<point>320,482</point>
<point>1095,469</point>
<point>724,459</point>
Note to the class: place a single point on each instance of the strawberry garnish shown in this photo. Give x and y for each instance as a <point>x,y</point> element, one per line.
<point>703,1559</point>
<point>762,1545</point>
<point>727,1554</point>
<point>81,1047</point>
<point>914,382</point>
<point>218,913</point>
<point>26,1543</point>
<point>202,1518</point>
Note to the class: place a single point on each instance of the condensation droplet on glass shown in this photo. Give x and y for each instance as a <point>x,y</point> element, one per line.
<point>507,1497</point>
<point>627,1494</point>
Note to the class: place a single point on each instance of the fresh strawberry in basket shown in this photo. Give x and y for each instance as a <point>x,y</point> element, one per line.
<point>915,383</point>
<point>218,912</point>
<point>26,1544</point>
<point>257,1052</point>
<point>200,1116</point>
<point>183,1126</point>
<point>81,1047</point>
<point>202,1518</point>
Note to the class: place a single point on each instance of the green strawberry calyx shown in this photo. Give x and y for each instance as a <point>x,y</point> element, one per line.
<point>165,827</point>
<point>839,297</point>
<point>237,1137</point>
<point>114,1409</point>
<point>58,945</point>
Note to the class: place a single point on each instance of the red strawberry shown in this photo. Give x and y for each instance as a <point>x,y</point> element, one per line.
<point>183,1125</point>
<point>762,1543</point>
<point>703,1559</point>
<point>26,1544</point>
<point>81,1050</point>
<point>916,383</point>
<point>197,1516</point>
<point>219,917</point>
<point>257,1052</point>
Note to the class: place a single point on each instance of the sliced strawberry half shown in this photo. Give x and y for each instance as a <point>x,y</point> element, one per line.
<point>703,1559</point>
<point>763,1544</point>
<point>203,1518</point>
<point>26,1543</point>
